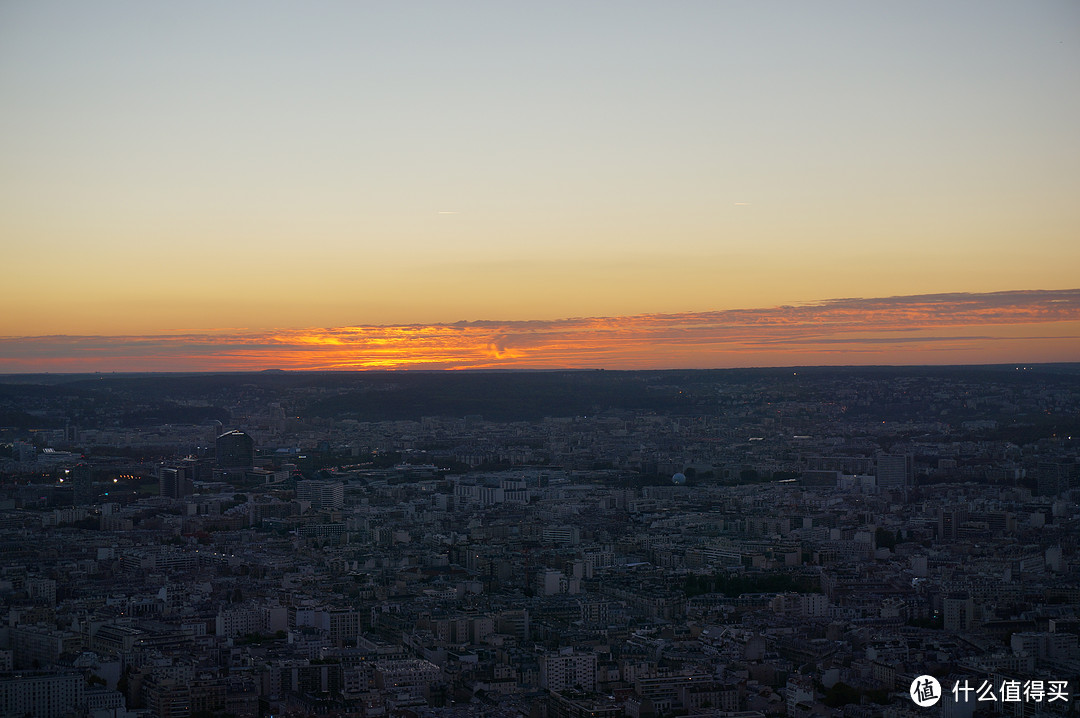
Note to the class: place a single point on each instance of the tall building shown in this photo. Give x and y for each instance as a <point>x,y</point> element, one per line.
<point>176,481</point>
<point>958,612</point>
<point>321,494</point>
<point>82,484</point>
<point>24,452</point>
<point>949,519</point>
<point>1052,478</point>
<point>235,450</point>
<point>566,669</point>
<point>895,471</point>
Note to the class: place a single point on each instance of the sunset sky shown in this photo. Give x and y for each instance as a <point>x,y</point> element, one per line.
<point>345,185</point>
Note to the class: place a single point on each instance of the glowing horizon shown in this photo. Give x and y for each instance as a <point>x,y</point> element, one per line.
<point>1035,326</point>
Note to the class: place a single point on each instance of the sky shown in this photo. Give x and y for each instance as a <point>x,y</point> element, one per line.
<point>344,185</point>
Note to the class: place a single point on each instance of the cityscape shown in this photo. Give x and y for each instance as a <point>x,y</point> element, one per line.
<point>607,359</point>
<point>740,543</point>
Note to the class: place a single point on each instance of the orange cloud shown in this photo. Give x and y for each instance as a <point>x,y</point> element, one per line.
<point>1027,326</point>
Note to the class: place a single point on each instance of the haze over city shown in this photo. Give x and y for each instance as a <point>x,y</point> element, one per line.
<point>207,186</point>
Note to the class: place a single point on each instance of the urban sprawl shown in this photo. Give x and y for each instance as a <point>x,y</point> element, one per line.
<point>744,544</point>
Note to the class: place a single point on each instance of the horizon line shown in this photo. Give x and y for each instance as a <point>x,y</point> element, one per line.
<point>548,370</point>
<point>960,328</point>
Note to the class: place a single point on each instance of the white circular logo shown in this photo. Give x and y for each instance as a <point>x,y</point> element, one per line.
<point>925,691</point>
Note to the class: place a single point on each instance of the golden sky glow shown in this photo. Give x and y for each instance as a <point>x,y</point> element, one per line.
<point>942,329</point>
<point>236,173</point>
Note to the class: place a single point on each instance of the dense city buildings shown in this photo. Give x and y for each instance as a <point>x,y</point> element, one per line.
<point>744,543</point>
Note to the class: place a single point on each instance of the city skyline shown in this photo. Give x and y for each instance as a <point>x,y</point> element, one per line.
<point>621,185</point>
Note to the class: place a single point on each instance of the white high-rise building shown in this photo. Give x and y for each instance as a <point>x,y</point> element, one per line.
<point>567,669</point>
<point>321,494</point>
